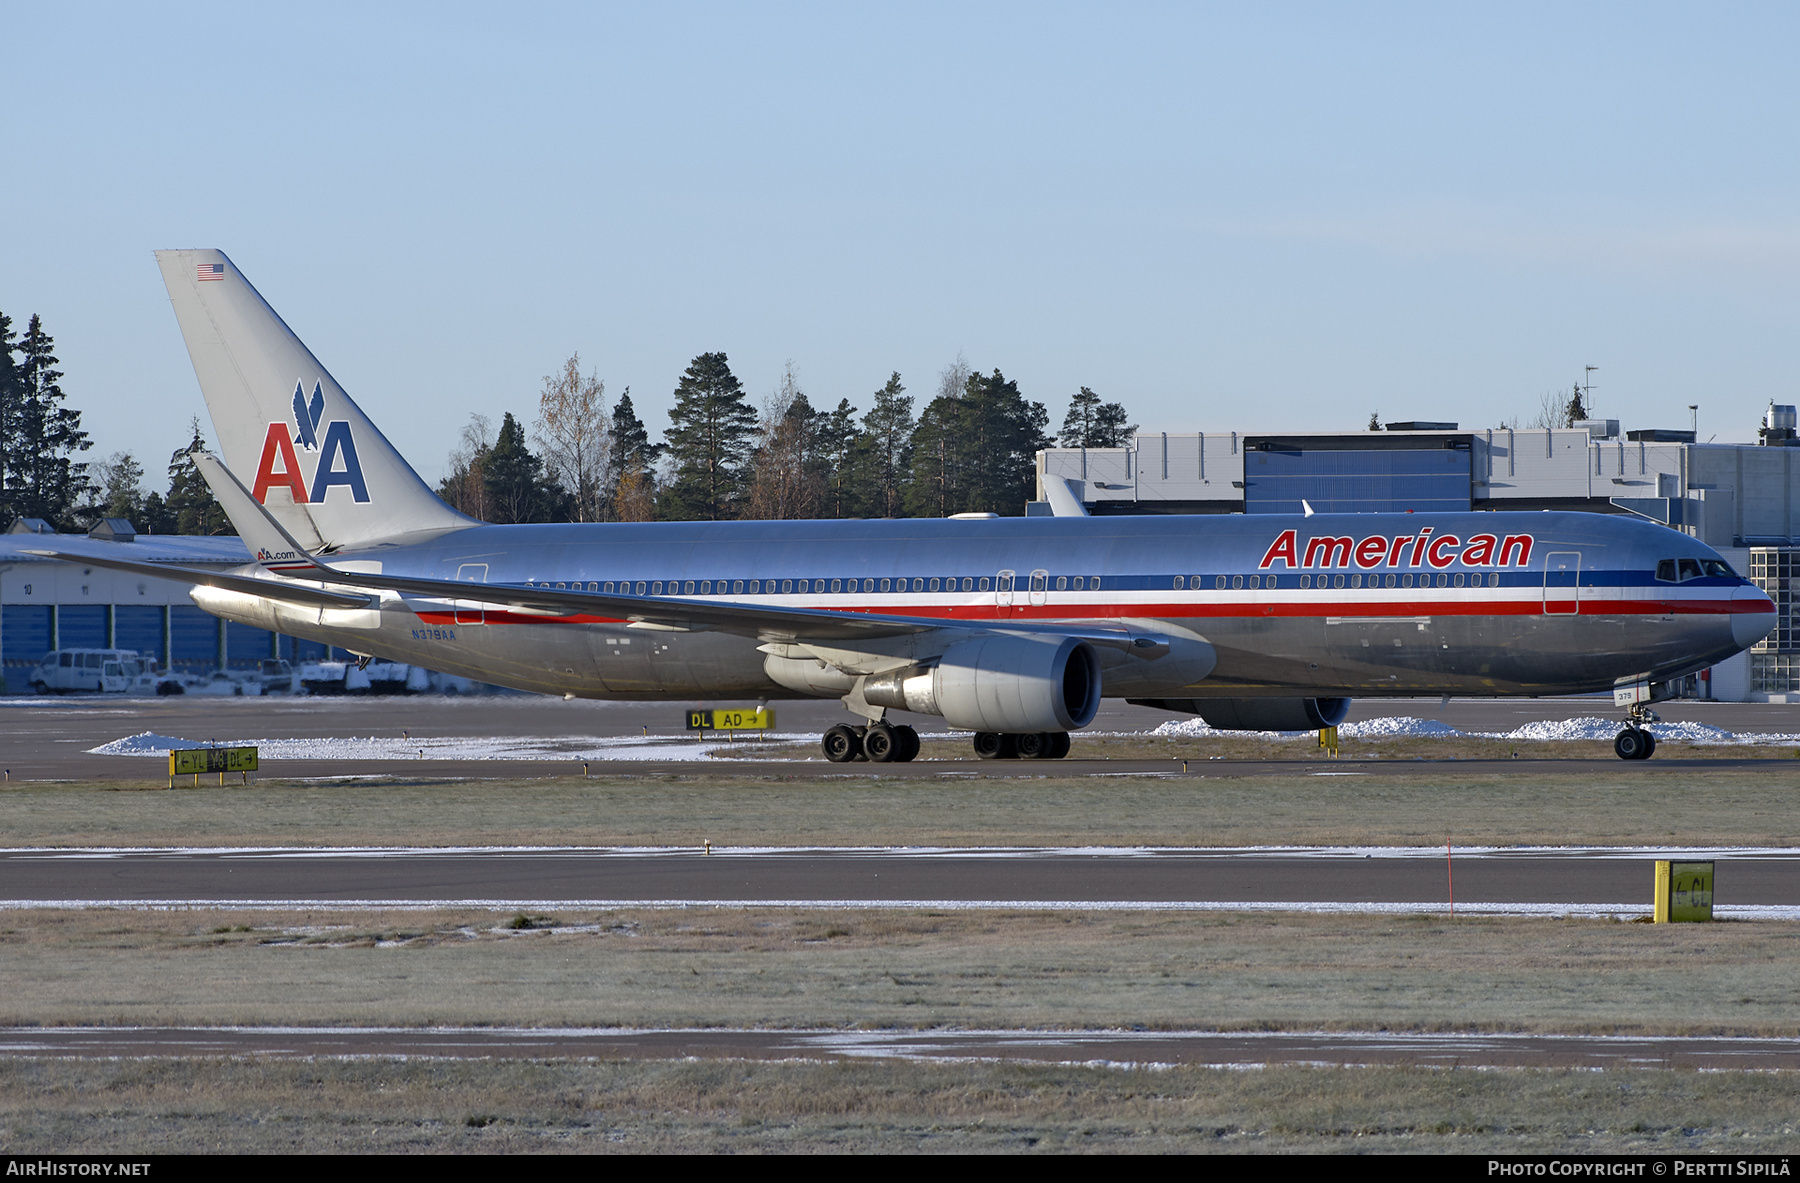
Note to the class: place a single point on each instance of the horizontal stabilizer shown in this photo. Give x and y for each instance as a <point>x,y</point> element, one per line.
<point>293,593</point>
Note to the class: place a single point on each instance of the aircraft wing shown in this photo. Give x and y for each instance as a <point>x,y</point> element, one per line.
<point>764,622</point>
<point>282,554</point>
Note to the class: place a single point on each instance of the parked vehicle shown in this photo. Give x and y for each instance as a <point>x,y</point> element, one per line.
<point>103,671</point>
<point>277,676</point>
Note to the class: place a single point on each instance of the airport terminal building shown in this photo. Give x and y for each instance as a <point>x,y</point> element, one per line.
<point>1740,499</point>
<point>46,605</point>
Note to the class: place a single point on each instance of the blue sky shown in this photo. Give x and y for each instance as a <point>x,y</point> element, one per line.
<point>1254,217</point>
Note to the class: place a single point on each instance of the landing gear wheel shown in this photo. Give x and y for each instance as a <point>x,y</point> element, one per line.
<point>880,744</point>
<point>842,744</point>
<point>1059,745</point>
<point>991,745</point>
<point>1632,744</point>
<point>906,744</point>
<point>1033,745</point>
<point>1649,744</point>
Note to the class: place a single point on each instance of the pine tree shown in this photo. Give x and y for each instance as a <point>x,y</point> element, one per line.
<point>841,457</point>
<point>43,479</point>
<point>11,393</point>
<point>190,507</point>
<point>937,448</point>
<point>887,438</point>
<point>517,488</point>
<point>1091,423</point>
<point>1576,410</point>
<point>1006,433</point>
<point>634,464</point>
<point>710,436</point>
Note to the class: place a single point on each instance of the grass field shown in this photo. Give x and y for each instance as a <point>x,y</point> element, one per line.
<point>1350,803</point>
<point>703,967</point>
<point>573,1106</point>
<point>902,969</point>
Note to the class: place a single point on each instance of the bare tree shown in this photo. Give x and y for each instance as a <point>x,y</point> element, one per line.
<point>1552,411</point>
<point>786,484</point>
<point>573,438</point>
<point>464,485</point>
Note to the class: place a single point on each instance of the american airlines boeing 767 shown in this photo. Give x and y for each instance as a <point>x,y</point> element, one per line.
<point>1012,628</point>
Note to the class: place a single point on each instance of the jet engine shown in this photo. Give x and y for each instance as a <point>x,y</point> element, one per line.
<point>1257,714</point>
<point>1006,684</point>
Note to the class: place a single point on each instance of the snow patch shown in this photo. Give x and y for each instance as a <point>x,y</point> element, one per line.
<point>593,748</point>
<point>1587,727</point>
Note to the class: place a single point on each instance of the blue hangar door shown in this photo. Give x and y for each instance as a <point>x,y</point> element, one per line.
<point>1427,472</point>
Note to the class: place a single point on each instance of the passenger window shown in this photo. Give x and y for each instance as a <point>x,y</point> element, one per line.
<point>787,586</point>
<point>984,583</point>
<point>688,587</point>
<point>969,584</point>
<point>1306,581</point>
<point>934,585</point>
<point>886,584</point>
<point>640,587</point>
<point>1062,583</point>
<point>1391,580</point>
<point>1338,581</point>
<point>1179,582</point>
<point>1255,582</point>
<point>1356,581</point>
<point>1219,582</point>
<point>656,588</point>
<point>1237,581</point>
<point>918,585</point>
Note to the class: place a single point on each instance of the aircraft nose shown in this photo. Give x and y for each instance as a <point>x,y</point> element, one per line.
<point>1752,616</point>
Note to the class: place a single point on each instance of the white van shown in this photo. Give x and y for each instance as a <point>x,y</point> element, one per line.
<point>108,671</point>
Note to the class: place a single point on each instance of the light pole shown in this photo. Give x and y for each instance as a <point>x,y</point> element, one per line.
<point>1587,390</point>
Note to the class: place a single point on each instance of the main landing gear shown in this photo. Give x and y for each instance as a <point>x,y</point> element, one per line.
<point>1636,742</point>
<point>880,743</point>
<point>1032,745</point>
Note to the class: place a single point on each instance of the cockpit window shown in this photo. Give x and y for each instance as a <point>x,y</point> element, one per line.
<point>1718,568</point>
<point>1665,570</point>
<point>1690,569</point>
<point>1682,570</point>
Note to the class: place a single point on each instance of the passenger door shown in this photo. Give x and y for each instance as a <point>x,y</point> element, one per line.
<point>1562,583</point>
<point>471,611</point>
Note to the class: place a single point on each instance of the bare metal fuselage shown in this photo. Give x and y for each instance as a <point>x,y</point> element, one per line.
<point>1577,608</point>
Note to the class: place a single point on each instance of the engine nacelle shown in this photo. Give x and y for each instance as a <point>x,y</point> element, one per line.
<point>1257,714</point>
<point>1000,683</point>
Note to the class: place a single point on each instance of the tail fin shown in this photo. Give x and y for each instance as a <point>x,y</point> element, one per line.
<point>316,463</point>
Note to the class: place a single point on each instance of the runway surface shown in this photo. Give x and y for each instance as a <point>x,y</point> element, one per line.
<point>1615,881</point>
<point>1142,1048</point>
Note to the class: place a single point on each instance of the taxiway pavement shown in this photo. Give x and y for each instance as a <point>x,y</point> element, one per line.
<point>1550,880</point>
